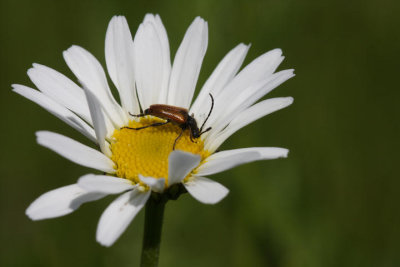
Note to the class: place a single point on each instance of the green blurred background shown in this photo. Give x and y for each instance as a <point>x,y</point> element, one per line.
<point>333,202</point>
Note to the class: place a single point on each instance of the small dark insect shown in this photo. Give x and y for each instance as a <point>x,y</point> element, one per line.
<point>177,115</point>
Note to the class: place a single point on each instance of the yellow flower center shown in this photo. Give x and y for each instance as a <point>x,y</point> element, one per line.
<point>146,151</point>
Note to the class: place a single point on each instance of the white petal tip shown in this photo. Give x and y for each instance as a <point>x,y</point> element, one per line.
<point>118,19</point>
<point>213,201</point>
<point>276,51</point>
<point>15,87</point>
<point>29,71</point>
<point>206,190</point>
<point>35,216</point>
<point>285,153</point>
<point>31,214</point>
<point>198,18</point>
<point>41,133</point>
<point>105,243</point>
<point>285,102</point>
<point>149,17</point>
<point>70,49</point>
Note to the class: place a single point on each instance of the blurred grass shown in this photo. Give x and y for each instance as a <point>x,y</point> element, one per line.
<point>333,202</point>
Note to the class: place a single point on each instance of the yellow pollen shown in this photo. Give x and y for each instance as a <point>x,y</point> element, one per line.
<point>146,151</point>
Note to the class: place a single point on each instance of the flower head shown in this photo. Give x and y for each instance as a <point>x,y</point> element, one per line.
<point>140,154</point>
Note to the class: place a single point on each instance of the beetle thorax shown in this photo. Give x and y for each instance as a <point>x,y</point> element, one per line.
<point>192,125</point>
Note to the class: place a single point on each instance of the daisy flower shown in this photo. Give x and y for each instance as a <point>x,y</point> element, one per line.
<point>139,164</point>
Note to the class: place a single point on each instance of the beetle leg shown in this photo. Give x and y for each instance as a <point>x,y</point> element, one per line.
<point>138,115</point>
<point>176,140</point>
<point>154,124</point>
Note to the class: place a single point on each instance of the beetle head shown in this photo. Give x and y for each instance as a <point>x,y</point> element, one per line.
<point>148,111</point>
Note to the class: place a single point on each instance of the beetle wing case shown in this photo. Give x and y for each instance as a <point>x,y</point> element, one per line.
<point>175,114</point>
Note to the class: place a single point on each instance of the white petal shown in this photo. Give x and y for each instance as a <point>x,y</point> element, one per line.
<point>99,122</point>
<point>259,69</point>
<point>228,159</point>
<point>166,60</point>
<point>118,215</point>
<point>75,151</point>
<point>91,75</point>
<point>104,184</point>
<point>156,184</point>
<point>253,113</point>
<point>206,190</point>
<point>56,109</point>
<point>223,73</point>
<point>247,97</point>
<point>180,164</point>
<point>255,93</point>
<point>119,59</point>
<point>60,202</point>
<point>187,64</point>
<point>148,64</point>
<point>61,89</point>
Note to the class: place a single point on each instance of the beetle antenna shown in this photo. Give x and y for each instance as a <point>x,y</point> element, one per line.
<point>209,113</point>
<point>206,130</point>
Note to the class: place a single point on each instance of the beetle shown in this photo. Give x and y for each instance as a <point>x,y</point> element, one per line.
<point>177,115</point>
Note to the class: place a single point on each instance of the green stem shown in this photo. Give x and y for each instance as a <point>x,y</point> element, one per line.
<point>153,220</point>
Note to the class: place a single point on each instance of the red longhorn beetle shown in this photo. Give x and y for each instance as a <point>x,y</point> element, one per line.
<point>177,115</point>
